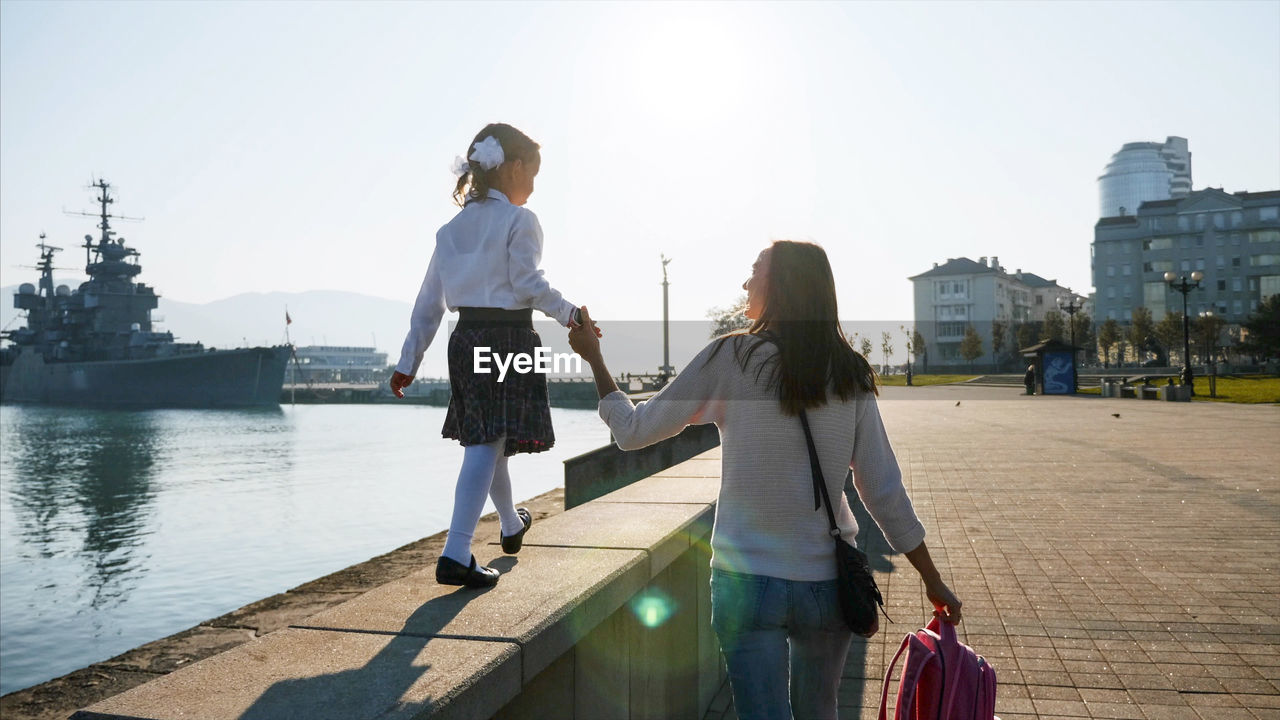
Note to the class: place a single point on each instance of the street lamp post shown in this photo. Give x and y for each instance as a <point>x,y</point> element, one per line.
<point>1072,305</point>
<point>907,332</point>
<point>1185,286</point>
<point>1211,340</point>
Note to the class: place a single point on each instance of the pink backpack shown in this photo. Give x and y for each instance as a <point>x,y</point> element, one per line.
<point>942,678</point>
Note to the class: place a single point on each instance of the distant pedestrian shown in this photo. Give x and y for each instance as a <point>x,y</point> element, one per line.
<point>774,600</point>
<point>1029,379</point>
<point>485,266</point>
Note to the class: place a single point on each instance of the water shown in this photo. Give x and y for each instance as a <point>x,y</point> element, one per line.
<point>122,527</point>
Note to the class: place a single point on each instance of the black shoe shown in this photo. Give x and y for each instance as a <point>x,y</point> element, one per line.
<point>511,545</point>
<point>452,572</point>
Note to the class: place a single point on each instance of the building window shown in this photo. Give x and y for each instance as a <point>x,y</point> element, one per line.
<point>1269,213</point>
<point>1222,262</point>
<point>1237,307</point>
<point>1160,243</point>
<point>1253,283</point>
<point>1183,223</point>
<point>1237,217</point>
<point>1219,239</point>
<point>1222,286</point>
<point>1128,291</point>
<point>1222,307</point>
<point>1235,238</point>
<point>1186,265</point>
<point>1111,293</point>
<point>1185,242</point>
<point>1219,221</point>
<point>1111,271</point>
<point>1200,221</point>
<point>1126,269</point>
<point>1263,236</point>
<point>1111,314</point>
<point>1259,260</point>
<point>1199,263</point>
<point>1235,262</point>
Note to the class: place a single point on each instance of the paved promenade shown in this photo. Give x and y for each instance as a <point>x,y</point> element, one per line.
<point>1111,566</point>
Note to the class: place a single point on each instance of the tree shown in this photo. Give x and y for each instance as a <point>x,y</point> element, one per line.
<point>866,347</point>
<point>1028,335</point>
<point>729,319</point>
<point>971,345</point>
<point>1054,326</point>
<point>1263,328</point>
<point>1168,335</point>
<point>1083,325</point>
<point>886,346</point>
<point>1140,331</point>
<point>998,330</point>
<point>919,348</point>
<point>1206,333</point>
<point>1108,336</point>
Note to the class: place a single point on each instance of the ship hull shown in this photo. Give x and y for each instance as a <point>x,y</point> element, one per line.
<point>248,377</point>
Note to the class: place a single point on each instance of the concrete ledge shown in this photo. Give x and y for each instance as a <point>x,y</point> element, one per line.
<point>604,613</point>
<point>548,598</point>
<point>321,675</point>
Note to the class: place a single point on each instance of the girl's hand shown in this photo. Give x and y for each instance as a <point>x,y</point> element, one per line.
<point>945,603</point>
<point>400,381</point>
<point>585,339</point>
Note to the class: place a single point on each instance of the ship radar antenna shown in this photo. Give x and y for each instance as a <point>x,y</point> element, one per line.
<point>104,199</point>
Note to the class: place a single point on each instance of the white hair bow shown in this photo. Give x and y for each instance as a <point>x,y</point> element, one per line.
<point>488,153</point>
<point>460,166</point>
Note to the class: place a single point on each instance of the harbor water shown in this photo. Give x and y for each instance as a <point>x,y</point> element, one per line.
<point>121,527</point>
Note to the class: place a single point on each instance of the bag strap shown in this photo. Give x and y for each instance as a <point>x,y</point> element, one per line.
<point>819,484</point>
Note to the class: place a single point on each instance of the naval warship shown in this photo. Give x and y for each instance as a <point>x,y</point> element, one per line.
<point>95,345</point>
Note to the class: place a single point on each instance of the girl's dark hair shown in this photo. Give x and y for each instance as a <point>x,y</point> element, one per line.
<point>474,184</point>
<point>801,319</point>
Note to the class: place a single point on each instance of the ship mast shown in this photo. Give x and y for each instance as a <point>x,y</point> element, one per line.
<point>104,221</point>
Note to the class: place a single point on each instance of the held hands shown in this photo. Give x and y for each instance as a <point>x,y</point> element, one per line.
<point>945,603</point>
<point>400,381</point>
<point>585,338</point>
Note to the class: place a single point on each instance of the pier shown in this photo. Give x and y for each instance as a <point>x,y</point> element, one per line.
<point>1109,569</point>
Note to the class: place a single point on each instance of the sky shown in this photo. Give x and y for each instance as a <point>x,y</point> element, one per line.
<point>294,146</point>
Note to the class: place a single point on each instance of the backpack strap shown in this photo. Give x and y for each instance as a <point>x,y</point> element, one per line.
<point>911,672</point>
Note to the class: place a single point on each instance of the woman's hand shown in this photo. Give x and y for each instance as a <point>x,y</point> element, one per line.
<point>945,603</point>
<point>585,338</point>
<point>400,381</point>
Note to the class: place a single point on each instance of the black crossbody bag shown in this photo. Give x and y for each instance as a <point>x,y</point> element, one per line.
<point>859,596</point>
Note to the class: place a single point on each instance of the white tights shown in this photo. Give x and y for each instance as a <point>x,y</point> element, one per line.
<point>484,472</point>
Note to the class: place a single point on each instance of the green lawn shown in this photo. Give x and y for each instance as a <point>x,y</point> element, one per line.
<point>901,380</point>
<point>1241,389</point>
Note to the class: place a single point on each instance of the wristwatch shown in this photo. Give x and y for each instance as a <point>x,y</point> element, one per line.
<point>576,317</point>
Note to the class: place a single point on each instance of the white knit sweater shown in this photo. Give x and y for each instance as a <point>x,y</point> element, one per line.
<point>765,522</point>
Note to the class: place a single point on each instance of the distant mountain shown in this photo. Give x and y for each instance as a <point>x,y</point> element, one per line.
<point>320,317</point>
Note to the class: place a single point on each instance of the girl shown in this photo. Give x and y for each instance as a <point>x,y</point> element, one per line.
<point>773,594</point>
<point>485,266</point>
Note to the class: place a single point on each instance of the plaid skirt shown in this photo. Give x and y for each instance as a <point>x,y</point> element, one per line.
<point>481,409</point>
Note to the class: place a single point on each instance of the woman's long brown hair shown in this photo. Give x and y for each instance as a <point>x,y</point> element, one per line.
<point>800,317</point>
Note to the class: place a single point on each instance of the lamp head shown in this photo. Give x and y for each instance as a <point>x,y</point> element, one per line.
<point>1169,276</point>
<point>1197,276</point>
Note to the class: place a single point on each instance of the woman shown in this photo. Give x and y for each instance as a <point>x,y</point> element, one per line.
<point>773,593</point>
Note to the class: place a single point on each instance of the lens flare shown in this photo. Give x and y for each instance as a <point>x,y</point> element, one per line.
<point>653,607</point>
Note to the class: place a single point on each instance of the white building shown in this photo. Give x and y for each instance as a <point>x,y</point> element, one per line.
<point>1144,171</point>
<point>961,292</point>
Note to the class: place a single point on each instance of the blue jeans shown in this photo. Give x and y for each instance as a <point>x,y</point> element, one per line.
<point>785,643</point>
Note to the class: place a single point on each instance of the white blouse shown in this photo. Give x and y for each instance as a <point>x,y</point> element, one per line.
<point>486,256</point>
<point>765,522</point>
